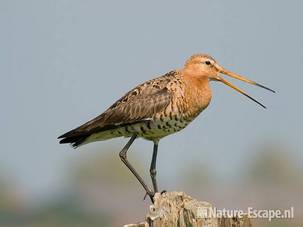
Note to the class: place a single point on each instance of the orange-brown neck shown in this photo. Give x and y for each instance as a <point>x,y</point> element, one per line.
<point>197,92</point>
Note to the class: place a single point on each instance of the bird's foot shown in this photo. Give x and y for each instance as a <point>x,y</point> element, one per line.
<point>151,195</point>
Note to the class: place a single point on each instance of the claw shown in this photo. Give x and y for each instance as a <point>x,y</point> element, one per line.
<point>150,194</point>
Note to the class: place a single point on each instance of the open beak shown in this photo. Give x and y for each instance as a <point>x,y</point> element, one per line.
<point>236,76</point>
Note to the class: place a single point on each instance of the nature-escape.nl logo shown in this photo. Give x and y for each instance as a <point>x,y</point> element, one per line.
<point>213,212</point>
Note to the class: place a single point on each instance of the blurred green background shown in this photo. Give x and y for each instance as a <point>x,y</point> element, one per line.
<point>64,62</point>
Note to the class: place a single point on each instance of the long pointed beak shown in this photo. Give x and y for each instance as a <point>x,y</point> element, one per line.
<point>236,76</point>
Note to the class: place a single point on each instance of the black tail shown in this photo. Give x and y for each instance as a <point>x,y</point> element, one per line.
<point>75,141</point>
<point>73,137</point>
<point>78,135</point>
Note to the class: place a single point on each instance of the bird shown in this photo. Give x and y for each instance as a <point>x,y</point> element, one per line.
<point>157,108</point>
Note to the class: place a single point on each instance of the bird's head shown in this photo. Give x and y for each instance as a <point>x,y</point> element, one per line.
<point>202,65</point>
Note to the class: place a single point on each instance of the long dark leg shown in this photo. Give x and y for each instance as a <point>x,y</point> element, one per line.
<point>152,170</point>
<point>123,156</point>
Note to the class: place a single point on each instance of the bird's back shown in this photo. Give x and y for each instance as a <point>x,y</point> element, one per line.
<point>152,110</point>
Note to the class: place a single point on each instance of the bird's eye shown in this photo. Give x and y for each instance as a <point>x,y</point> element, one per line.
<point>207,62</point>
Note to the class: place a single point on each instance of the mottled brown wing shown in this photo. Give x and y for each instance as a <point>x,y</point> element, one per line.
<point>126,111</point>
<point>142,107</point>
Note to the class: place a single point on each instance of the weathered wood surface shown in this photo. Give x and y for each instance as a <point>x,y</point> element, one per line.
<point>176,209</point>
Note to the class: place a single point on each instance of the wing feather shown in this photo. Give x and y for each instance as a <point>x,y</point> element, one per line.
<point>137,109</point>
<point>138,105</point>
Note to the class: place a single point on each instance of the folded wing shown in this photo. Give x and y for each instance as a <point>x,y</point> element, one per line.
<point>136,106</point>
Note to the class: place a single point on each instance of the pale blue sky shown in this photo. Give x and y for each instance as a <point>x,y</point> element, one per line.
<point>64,62</point>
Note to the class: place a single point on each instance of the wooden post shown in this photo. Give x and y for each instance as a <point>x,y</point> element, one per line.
<point>173,209</point>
